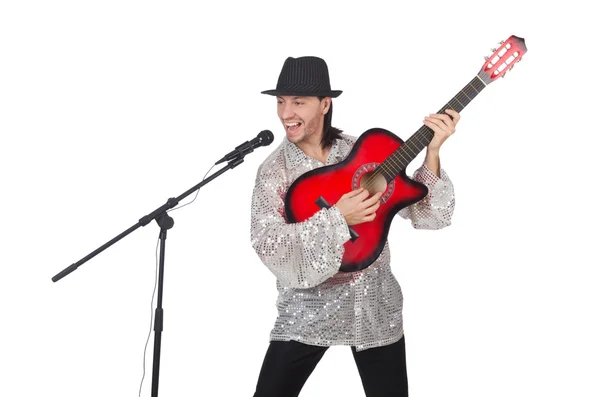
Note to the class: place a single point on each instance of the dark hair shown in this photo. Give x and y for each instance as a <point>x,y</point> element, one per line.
<point>330,133</point>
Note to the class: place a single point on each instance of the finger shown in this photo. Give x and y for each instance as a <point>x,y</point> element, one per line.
<point>368,206</point>
<point>443,117</point>
<point>354,193</point>
<point>362,195</point>
<point>369,201</point>
<point>371,209</point>
<point>444,124</point>
<point>373,199</point>
<point>436,126</point>
<point>454,114</point>
<point>369,218</point>
<point>435,121</point>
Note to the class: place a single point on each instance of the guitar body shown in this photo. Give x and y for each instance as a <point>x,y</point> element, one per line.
<point>333,181</point>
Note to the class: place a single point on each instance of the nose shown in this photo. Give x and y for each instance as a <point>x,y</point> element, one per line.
<point>286,111</point>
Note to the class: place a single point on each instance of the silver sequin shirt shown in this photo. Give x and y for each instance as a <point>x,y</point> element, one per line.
<point>318,304</point>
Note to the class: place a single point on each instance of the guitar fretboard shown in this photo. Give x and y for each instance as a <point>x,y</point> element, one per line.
<point>398,160</point>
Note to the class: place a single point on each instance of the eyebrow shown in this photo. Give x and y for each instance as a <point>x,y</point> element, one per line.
<point>294,97</point>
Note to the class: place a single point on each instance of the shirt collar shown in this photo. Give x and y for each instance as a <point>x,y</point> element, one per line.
<point>294,155</point>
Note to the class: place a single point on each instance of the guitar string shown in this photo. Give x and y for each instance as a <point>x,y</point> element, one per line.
<point>408,146</point>
<point>403,150</point>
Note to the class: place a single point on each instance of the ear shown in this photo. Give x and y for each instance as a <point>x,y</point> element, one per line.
<point>325,104</point>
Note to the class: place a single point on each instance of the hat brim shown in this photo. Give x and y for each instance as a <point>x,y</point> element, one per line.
<point>332,93</point>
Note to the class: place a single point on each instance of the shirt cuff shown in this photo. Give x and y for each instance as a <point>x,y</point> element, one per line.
<point>338,222</point>
<point>429,178</point>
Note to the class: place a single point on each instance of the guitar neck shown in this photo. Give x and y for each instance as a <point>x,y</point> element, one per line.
<point>398,161</point>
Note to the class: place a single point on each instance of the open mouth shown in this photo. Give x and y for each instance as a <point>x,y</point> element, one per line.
<point>292,127</point>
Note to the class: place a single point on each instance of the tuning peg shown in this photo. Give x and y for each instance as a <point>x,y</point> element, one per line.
<point>494,49</point>
<point>486,57</point>
<point>501,42</point>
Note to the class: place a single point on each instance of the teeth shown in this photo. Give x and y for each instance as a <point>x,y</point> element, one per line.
<point>291,124</point>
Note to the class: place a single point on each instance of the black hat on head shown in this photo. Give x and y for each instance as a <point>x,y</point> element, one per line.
<point>304,76</point>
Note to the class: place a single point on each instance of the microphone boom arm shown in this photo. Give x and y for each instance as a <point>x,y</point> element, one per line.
<point>157,213</point>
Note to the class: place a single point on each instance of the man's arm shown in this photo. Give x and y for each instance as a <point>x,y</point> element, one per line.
<point>443,125</point>
<point>300,255</point>
<point>435,210</point>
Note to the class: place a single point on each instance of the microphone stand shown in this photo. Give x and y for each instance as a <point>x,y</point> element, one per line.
<point>165,222</point>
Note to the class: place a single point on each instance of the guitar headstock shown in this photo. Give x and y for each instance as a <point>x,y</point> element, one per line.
<point>503,59</point>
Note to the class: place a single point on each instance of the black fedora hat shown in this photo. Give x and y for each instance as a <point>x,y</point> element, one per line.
<point>304,76</point>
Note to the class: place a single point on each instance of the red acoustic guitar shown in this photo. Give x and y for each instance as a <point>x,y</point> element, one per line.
<point>377,162</point>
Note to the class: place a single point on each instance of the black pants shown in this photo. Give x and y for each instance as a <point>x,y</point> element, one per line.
<point>288,365</point>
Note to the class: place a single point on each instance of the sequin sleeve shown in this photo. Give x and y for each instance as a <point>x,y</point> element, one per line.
<point>435,210</point>
<point>300,255</point>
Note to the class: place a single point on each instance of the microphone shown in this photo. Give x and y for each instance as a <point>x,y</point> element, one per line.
<point>264,138</point>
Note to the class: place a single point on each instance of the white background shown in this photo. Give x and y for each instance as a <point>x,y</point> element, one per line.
<point>109,108</point>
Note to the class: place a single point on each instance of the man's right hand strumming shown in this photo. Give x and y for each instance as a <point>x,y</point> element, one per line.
<point>357,207</point>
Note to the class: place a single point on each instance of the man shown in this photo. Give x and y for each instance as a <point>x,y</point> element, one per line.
<point>319,306</point>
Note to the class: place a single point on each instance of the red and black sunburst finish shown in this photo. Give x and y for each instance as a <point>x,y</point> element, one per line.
<point>331,182</point>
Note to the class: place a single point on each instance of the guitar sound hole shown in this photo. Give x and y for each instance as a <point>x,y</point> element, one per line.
<point>373,182</point>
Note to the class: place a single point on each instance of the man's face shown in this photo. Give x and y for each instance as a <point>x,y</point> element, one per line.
<point>302,117</point>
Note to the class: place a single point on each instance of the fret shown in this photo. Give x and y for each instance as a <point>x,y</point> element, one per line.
<point>399,160</point>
